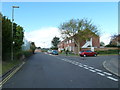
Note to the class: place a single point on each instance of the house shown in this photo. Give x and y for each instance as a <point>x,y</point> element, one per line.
<point>71,46</point>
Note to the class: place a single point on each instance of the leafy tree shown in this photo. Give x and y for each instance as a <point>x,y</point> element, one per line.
<point>55,42</point>
<point>115,41</point>
<point>7,40</point>
<point>6,37</point>
<point>102,44</point>
<point>32,47</point>
<point>79,30</point>
<point>18,37</point>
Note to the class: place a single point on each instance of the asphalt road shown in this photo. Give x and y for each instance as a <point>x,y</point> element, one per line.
<point>48,71</point>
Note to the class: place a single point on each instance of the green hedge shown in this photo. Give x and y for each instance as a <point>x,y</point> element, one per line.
<point>19,54</point>
<point>108,52</point>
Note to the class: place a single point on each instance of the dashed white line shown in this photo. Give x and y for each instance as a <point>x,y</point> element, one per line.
<point>76,63</point>
<point>98,70</point>
<point>101,74</point>
<point>92,70</point>
<point>91,67</point>
<point>80,65</point>
<point>62,59</point>
<point>112,78</point>
<point>85,67</point>
<point>107,73</point>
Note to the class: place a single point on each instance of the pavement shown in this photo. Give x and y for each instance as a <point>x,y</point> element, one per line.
<point>112,65</point>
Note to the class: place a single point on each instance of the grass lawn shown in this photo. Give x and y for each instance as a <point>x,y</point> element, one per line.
<point>7,65</point>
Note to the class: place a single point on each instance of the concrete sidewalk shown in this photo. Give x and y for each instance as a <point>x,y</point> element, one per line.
<point>112,65</point>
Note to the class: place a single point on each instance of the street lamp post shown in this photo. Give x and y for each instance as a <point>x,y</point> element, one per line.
<point>12,30</point>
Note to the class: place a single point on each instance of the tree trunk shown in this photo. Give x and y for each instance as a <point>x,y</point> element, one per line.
<point>78,48</point>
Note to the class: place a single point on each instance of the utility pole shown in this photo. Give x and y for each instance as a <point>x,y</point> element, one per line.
<point>12,31</point>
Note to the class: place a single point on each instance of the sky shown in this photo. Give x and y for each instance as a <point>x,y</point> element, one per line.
<point>41,20</point>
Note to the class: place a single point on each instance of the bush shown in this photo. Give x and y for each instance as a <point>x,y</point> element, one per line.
<point>19,54</point>
<point>108,52</point>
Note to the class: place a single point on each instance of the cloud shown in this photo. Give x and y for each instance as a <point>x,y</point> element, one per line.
<point>105,38</point>
<point>43,36</point>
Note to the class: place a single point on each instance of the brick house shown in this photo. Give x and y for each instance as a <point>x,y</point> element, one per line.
<point>71,46</point>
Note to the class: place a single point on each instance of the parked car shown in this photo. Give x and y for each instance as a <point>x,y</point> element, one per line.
<point>49,51</point>
<point>54,52</point>
<point>87,53</point>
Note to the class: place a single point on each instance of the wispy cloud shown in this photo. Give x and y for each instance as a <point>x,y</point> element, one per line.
<point>42,37</point>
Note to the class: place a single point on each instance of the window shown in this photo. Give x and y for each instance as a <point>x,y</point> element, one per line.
<point>88,51</point>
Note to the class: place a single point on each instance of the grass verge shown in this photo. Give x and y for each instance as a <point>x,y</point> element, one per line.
<point>7,65</point>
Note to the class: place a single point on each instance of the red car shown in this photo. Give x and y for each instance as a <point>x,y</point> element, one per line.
<point>87,53</point>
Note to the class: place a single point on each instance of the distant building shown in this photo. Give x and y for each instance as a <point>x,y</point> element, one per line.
<point>71,46</point>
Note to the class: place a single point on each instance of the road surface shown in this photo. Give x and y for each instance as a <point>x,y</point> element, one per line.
<point>49,71</point>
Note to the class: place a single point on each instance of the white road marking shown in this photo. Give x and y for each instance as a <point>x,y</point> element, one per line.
<point>76,63</point>
<point>107,73</point>
<point>91,67</point>
<point>101,74</point>
<point>85,67</point>
<point>80,65</point>
<point>98,70</point>
<point>112,78</point>
<point>68,61</point>
<point>65,60</point>
<point>92,70</point>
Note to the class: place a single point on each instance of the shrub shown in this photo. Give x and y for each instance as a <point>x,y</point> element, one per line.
<point>19,54</point>
<point>108,52</point>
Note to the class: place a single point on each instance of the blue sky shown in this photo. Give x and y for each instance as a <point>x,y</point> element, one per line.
<point>36,16</point>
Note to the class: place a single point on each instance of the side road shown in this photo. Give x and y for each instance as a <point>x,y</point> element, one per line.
<point>112,65</point>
